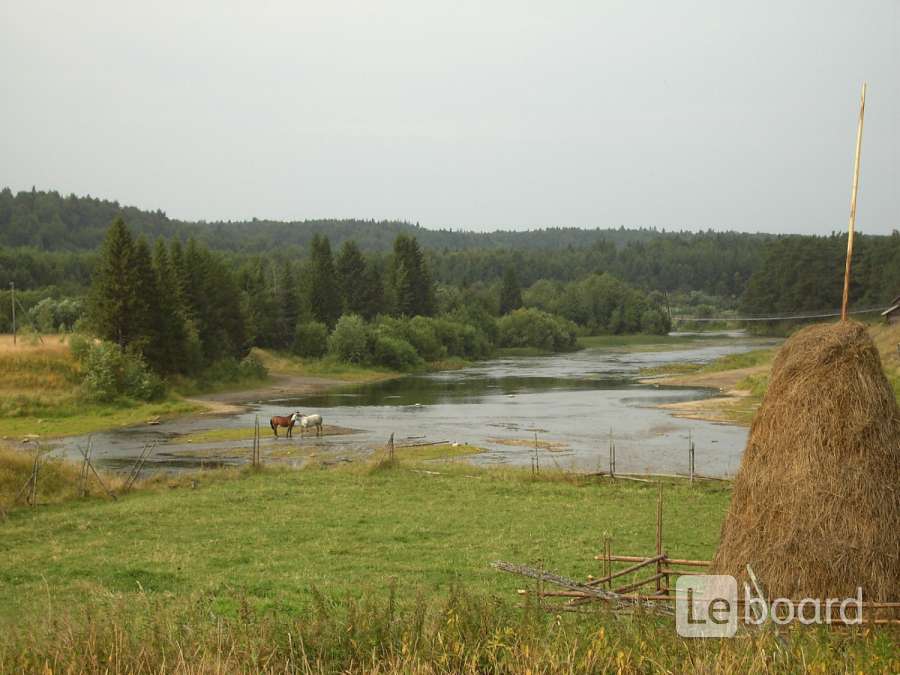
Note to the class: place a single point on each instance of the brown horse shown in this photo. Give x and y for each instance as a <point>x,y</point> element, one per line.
<point>280,421</point>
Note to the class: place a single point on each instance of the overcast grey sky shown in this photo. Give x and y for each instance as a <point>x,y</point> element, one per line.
<point>479,115</point>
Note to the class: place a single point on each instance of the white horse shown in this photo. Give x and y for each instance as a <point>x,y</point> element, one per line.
<point>306,421</point>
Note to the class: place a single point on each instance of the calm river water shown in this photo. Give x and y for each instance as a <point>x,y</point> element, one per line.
<point>572,401</point>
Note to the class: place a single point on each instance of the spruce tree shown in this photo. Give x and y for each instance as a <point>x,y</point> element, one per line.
<point>413,286</point>
<point>287,306</point>
<point>425,289</point>
<point>404,276</point>
<point>351,273</point>
<point>172,324</point>
<point>510,292</point>
<point>193,281</point>
<point>147,313</point>
<point>255,280</point>
<point>113,300</point>
<point>226,324</point>
<point>176,258</point>
<point>324,295</point>
<point>372,292</point>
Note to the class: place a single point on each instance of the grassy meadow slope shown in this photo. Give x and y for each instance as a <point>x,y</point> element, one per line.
<point>39,394</point>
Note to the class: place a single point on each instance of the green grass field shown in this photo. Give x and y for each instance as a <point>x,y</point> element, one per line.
<point>379,567</point>
<point>270,538</point>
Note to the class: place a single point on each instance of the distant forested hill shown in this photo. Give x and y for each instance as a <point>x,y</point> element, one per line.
<point>49,221</point>
<point>49,239</point>
<point>714,262</point>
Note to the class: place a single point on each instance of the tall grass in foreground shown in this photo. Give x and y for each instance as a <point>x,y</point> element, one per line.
<point>388,633</point>
<point>58,479</point>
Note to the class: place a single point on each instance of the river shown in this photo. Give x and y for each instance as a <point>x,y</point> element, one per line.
<point>572,403</point>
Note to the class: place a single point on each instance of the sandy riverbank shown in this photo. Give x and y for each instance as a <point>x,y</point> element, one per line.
<point>734,406</point>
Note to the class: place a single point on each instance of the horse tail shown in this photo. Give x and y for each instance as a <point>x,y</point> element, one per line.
<point>272,423</point>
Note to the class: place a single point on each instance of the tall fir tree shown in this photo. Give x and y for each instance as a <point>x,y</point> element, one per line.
<point>372,292</point>
<point>147,312</point>
<point>172,321</point>
<point>176,258</point>
<point>426,292</point>
<point>351,273</point>
<point>226,335</point>
<point>255,280</point>
<point>192,276</point>
<point>413,286</point>
<point>113,297</point>
<point>287,305</point>
<point>510,291</point>
<point>324,294</point>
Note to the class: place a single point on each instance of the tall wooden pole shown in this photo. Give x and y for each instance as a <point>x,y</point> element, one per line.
<point>853,190</point>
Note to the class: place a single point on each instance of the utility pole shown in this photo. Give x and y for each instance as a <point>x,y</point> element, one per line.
<point>12,291</point>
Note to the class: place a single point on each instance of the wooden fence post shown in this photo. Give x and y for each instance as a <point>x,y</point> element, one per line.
<point>659,546</point>
<point>691,455</point>
<point>612,454</point>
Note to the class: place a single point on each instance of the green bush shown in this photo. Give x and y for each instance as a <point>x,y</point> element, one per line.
<point>481,331</point>
<point>534,328</point>
<point>420,333</point>
<point>437,338</point>
<point>349,341</point>
<point>654,322</point>
<point>394,352</point>
<point>459,339</point>
<point>229,369</point>
<point>252,368</point>
<point>310,340</point>
<point>79,345</point>
<point>111,373</point>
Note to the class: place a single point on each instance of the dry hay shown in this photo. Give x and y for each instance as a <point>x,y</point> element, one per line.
<point>816,503</point>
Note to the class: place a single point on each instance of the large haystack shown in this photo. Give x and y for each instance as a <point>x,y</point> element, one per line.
<point>816,503</point>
